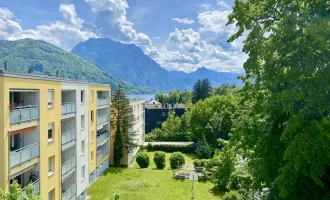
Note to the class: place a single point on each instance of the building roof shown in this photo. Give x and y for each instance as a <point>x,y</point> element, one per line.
<point>46,78</point>
<point>152,101</point>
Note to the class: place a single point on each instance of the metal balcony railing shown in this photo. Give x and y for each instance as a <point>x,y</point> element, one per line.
<point>68,108</point>
<point>100,138</point>
<point>68,137</point>
<point>102,154</point>
<point>102,119</point>
<point>68,166</point>
<point>24,113</point>
<point>24,154</point>
<point>36,186</point>
<point>102,102</point>
<point>71,192</point>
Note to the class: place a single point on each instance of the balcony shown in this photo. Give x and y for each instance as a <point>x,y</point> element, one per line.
<point>102,102</point>
<point>68,139</point>
<point>68,168</point>
<point>36,186</point>
<point>102,119</point>
<point>70,193</point>
<point>24,154</point>
<point>23,114</point>
<point>68,110</point>
<point>102,137</point>
<point>102,154</point>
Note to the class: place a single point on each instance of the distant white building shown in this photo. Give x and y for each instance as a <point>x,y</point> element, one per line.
<point>153,104</point>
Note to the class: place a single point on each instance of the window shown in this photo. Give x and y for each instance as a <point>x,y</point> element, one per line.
<point>83,147</point>
<point>163,114</point>
<point>50,132</point>
<point>83,173</point>
<point>82,96</point>
<point>92,156</point>
<point>50,98</point>
<point>51,165</point>
<point>92,115</point>
<point>82,122</point>
<point>51,194</point>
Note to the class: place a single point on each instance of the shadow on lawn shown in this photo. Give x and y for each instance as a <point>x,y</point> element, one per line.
<point>113,170</point>
<point>217,193</point>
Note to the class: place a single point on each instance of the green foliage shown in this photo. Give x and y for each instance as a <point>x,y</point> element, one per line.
<point>150,147</point>
<point>283,126</point>
<point>174,96</point>
<point>46,59</point>
<point>225,89</point>
<point>177,160</point>
<point>173,129</point>
<point>15,193</point>
<point>232,195</point>
<point>115,197</point>
<point>122,116</point>
<point>212,118</point>
<point>204,150</point>
<point>201,162</point>
<point>239,180</point>
<point>159,159</point>
<point>169,148</point>
<point>202,89</point>
<point>143,160</point>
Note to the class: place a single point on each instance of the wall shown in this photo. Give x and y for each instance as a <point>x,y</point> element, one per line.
<point>47,115</point>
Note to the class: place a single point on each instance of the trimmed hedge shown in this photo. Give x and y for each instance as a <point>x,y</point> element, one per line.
<point>201,162</point>
<point>171,148</point>
<point>159,159</point>
<point>177,160</point>
<point>143,160</point>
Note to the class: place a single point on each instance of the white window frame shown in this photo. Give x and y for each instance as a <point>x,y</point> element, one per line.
<point>50,98</point>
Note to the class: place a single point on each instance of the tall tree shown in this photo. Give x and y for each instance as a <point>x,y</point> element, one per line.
<point>286,133</point>
<point>122,116</point>
<point>206,89</point>
<point>196,94</point>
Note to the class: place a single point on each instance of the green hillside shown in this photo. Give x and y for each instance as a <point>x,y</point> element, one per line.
<point>46,59</point>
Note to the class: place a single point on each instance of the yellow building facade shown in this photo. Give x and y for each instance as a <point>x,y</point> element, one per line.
<point>45,131</point>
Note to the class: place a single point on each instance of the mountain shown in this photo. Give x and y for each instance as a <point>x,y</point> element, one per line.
<point>128,62</point>
<point>45,58</point>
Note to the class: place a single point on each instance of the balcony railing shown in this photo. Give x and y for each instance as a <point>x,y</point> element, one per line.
<point>68,166</point>
<point>68,108</point>
<point>102,102</point>
<point>25,113</point>
<point>102,119</point>
<point>102,137</point>
<point>36,186</point>
<point>102,154</point>
<point>24,154</point>
<point>68,138</point>
<point>71,192</point>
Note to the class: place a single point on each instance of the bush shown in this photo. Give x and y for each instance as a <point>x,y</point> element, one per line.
<point>232,195</point>
<point>159,159</point>
<point>204,162</point>
<point>177,160</point>
<point>239,180</point>
<point>150,147</point>
<point>197,163</point>
<point>143,160</point>
<point>201,162</point>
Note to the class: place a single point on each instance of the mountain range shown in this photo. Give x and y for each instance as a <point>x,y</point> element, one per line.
<point>129,63</point>
<point>46,59</point>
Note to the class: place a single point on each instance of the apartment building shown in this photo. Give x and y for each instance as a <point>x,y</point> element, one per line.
<point>46,135</point>
<point>136,132</point>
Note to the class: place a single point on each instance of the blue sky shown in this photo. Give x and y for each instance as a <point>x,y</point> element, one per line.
<point>178,34</point>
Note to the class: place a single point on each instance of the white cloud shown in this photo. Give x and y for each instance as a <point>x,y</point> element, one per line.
<point>223,4</point>
<point>215,21</point>
<point>187,39</point>
<point>65,34</point>
<point>114,12</point>
<point>184,20</point>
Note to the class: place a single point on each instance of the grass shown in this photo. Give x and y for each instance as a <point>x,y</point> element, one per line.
<point>148,184</point>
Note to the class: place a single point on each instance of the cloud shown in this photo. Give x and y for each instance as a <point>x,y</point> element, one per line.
<point>215,21</point>
<point>65,34</point>
<point>184,20</point>
<point>223,4</point>
<point>112,22</point>
<point>187,39</point>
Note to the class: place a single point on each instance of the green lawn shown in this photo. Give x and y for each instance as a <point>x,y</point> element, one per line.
<point>148,184</point>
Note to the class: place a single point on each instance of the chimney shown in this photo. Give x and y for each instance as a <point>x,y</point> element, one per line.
<point>5,65</point>
<point>56,73</point>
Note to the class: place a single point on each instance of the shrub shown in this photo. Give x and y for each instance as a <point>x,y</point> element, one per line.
<point>239,180</point>
<point>197,163</point>
<point>177,160</point>
<point>150,147</point>
<point>232,195</point>
<point>143,160</point>
<point>159,159</point>
<point>204,162</point>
